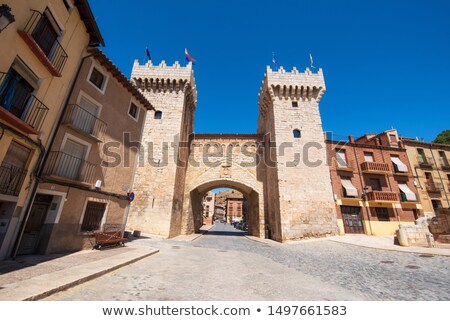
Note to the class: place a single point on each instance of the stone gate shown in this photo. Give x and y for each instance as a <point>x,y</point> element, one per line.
<point>281,169</point>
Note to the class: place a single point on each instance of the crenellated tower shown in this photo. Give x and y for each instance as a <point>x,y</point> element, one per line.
<point>160,176</point>
<point>297,188</point>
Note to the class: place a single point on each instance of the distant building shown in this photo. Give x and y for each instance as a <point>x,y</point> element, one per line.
<point>208,207</point>
<point>373,184</point>
<point>431,168</point>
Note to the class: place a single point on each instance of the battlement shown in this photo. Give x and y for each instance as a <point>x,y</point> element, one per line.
<point>156,78</point>
<point>295,85</point>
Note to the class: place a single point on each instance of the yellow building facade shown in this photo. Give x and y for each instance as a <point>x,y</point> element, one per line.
<point>41,50</point>
<point>431,166</point>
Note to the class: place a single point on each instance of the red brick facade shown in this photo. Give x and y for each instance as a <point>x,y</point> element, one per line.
<point>378,204</point>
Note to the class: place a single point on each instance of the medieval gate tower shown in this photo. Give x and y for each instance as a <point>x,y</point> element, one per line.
<point>288,187</point>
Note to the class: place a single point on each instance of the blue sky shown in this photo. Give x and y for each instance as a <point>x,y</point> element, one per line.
<point>386,63</point>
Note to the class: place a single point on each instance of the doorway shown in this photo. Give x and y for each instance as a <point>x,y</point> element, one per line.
<point>32,233</point>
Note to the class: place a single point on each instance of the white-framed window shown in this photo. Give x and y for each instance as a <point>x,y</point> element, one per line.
<point>98,78</point>
<point>86,116</point>
<point>133,111</point>
<point>94,214</point>
<point>71,158</point>
<point>69,5</point>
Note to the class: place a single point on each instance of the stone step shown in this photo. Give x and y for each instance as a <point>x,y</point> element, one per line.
<point>444,238</point>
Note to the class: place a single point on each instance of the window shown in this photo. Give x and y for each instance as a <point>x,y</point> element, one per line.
<point>133,111</point>
<point>294,104</point>
<point>70,161</point>
<point>97,78</point>
<point>93,216</point>
<point>382,213</point>
<point>15,93</point>
<point>393,138</point>
<point>85,117</point>
<point>375,184</point>
<point>158,114</point>
<point>443,158</point>
<point>68,5</point>
<point>368,156</point>
<point>341,159</point>
<point>12,169</point>
<point>421,156</point>
<point>44,34</point>
<point>296,133</point>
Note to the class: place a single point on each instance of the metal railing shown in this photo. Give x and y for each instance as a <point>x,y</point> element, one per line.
<point>382,196</point>
<point>35,113</point>
<point>424,161</point>
<point>83,120</point>
<point>11,179</point>
<point>433,187</point>
<point>67,166</point>
<point>2,75</point>
<point>375,167</point>
<point>37,28</point>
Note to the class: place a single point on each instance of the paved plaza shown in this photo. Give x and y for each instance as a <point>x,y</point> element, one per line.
<point>225,265</point>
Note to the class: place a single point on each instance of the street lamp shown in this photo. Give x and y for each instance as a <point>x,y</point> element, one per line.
<point>6,17</point>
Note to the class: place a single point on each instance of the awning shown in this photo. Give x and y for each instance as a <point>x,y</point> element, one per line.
<point>349,188</point>
<point>400,166</point>
<point>340,158</point>
<point>410,196</point>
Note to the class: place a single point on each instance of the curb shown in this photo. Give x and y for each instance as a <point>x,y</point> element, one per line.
<point>14,296</point>
<point>392,250</point>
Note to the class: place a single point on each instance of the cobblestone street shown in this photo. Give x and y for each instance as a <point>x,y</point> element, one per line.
<point>224,265</point>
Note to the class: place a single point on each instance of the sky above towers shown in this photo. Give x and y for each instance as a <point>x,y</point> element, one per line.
<point>386,63</point>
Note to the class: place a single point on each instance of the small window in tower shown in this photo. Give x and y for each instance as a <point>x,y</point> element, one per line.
<point>158,114</point>
<point>294,104</point>
<point>296,133</point>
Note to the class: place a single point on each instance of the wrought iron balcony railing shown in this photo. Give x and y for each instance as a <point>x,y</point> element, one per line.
<point>67,166</point>
<point>11,179</point>
<point>382,196</point>
<point>425,162</point>
<point>42,38</point>
<point>81,119</point>
<point>375,167</point>
<point>29,109</point>
<point>433,187</point>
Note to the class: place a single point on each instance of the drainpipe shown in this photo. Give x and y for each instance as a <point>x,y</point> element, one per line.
<point>362,184</point>
<point>40,164</point>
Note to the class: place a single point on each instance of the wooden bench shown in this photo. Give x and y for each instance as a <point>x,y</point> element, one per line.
<point>107,238</point>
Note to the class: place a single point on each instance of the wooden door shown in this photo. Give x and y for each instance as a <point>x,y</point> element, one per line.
<point>30,238</point>
<point>351,215</point>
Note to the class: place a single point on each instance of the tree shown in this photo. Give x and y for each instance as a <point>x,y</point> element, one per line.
<point>443,137</point>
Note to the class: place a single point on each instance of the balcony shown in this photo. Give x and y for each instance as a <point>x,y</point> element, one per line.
<point>375,168</point>
<point>20,109</point>
<point>69,167</point>
<point>83,121</point>
<point>11,179</point>
<point>445,165</point>
<point>41,37</point>
<point>380,196</point>
<point>433,187</point>
<point>425,162</point>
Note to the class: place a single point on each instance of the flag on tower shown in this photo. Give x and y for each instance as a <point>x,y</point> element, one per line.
<point>311,60</point>
<point>274,61</point>
<point>188,56</point>
<point>148,53</point>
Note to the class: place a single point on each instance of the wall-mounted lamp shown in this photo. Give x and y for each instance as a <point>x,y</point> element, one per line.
<point>6,17</point>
